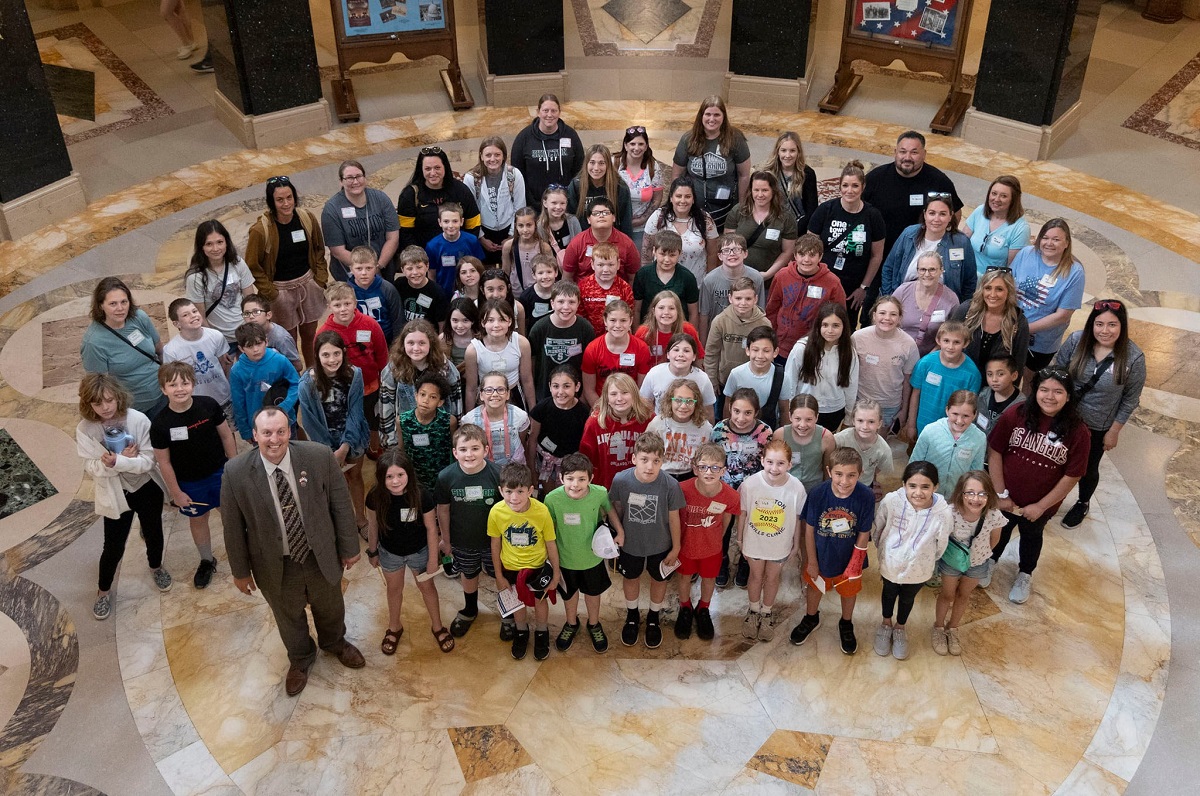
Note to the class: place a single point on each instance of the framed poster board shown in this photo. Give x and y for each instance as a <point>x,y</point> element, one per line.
<point>375,30</point>
<point>926,35</point>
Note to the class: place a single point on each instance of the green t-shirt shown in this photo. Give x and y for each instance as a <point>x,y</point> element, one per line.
<point>575,522</point>
<point>647,285</point>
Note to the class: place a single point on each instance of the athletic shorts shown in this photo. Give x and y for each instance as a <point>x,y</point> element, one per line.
<point>469,563</point>
<point>846,587</point>
<point>592,582</point>
<point>206,490</point>
<point>631,567</point>
<point>705,567</point>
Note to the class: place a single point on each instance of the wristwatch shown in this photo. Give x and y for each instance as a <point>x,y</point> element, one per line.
<point>864,287</point>
<point>1003,495</point>
<point>373,553</point>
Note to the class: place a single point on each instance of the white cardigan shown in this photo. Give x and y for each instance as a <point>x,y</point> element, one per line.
<point>129,474</point>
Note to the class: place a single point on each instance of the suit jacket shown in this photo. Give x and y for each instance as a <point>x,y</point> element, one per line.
<point>253,538</point>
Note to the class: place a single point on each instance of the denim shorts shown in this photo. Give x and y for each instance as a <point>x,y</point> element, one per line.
<point>976,572</point>
<point>390,562</point>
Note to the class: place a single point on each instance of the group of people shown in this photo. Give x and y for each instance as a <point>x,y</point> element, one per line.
<point>556,365</point>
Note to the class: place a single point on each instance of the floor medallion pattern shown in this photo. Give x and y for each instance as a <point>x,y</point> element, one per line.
<point>1173,112</point>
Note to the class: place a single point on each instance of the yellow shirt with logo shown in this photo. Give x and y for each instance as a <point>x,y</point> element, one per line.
<point>523,535</point>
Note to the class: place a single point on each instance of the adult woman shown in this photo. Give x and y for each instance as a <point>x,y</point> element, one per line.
<point>927,302</point>
<point>852,233</point>
<point>547,152</point>
<point>217,279</point>
<point>797,180</point>
<point>601,179</point>
<point>1050,281</point>
<point>359,216</point>
<point>1037,452</point>
<point>431,185</point>
<point>499,191</point>
<point>997,228</point>
<point>643,175</point>
<point>697,229</point>
<point>717,157</point>
<point>937,231</point>
<point>995,322</point>
<point>769,229</point>
<point>1109,372</point>
<point>122,341</point>
<point>886,358</point>
<point>286,254</point>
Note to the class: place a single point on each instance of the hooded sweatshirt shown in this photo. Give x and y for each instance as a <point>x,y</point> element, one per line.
<point>795,299</point>
<point>726,346</point>
<point>546,159</point>
<point>910,542</point>
<point>380,301</point>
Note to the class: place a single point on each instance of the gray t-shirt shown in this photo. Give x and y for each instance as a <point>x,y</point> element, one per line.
<point>645,511</point>
<point>714,291</point>
<point>715,173</point>
<point>343,224</point>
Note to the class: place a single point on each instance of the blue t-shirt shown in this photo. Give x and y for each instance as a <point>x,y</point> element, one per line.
<point>444,256</point>
<point>836,524</point>
<point>1041,294</point>
<point>936,383</point>
<point>991,247</point>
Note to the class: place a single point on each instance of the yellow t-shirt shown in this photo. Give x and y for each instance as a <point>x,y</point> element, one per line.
<point>522,536</point>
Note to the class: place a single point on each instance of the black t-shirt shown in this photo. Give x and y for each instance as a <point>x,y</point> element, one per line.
<point>191,437</point>
<point>336,406</point>
<point>561,429</point>
<point>849,236</point>
<point>900,200</point>
<point>552,346</point>
<point>292,261</point>
<point>536,307</point>
<point>428,302</point>
<point>405,532</point>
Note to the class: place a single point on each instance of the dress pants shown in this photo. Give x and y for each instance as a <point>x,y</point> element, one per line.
<point>303,584</point>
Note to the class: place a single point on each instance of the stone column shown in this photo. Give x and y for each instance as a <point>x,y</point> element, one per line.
<point>1035,54</point>
<point>771,53</point>
<point>521,55</point>
<point>268,82</point>
<point>37,185</point>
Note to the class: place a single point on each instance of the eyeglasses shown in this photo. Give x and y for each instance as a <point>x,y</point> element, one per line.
<point>493,390</point>
<point>732,250</point>
<point>600,213</point>
<point>431,150</point>
<point>274,181</point>
<point>253,313</point>
<point>1108,304</point>
<point>354,178</point>
<point>684,401</point>
<point>975,494</point>
<point>635,130</point>
<point>928,270</point>
<point>710,468</point>
<point>1004,269</point>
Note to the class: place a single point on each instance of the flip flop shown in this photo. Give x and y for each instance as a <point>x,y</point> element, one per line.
<point>444,640</point>
<point>391,640</point>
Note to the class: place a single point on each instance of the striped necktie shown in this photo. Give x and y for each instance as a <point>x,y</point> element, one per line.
<point>298,547</point>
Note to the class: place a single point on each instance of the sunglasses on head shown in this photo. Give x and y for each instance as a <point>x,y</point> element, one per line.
<point>1105,305</point>
<point>635,130</point>
<point>431,150</point>
<point>935,195</point>
<point>1004,269</point>
<point>274,181</point>
<point>1059,374</point>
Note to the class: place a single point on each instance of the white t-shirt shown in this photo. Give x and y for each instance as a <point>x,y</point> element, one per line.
<point>660,377</point>
<point>203,356</point>
<point>771,516</point>
<point>205,289</point>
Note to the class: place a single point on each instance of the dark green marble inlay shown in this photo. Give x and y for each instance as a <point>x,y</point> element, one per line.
<point>21,482</point>
<point>73,91</point>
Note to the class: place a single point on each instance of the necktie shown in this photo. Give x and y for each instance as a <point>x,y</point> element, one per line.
<point>297,543</point>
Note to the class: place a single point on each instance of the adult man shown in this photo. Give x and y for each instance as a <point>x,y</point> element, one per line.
<point>577,259</point>
<point>290,530</point>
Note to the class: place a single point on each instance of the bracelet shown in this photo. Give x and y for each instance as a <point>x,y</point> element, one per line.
<point>1003,495</point>
<point>373,553</point>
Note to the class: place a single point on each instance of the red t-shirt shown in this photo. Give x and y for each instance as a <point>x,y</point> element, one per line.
<point>366,347</point>
<point>610,449</point>
<point>658,349</point>
<point>1033,462</point>
<point>593,299</point>
<point>577,259</point>
<point>601,362</point>
<point>699,522</point>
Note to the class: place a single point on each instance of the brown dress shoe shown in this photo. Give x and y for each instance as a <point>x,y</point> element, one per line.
<point>296,680</point>
<point>350,657</point>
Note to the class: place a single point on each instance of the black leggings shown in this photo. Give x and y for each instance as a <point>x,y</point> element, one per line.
<point>1031,539</point>
<point>147,503</point>
<point>1087,484</point>
<point>907,592</point>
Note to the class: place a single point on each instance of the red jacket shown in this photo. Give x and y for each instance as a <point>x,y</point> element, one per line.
<point>795,299</point>
<point>365,345</point>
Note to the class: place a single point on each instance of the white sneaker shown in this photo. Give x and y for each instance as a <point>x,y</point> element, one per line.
<point>899,643</point>
<point>986,580</point>
<point>940,643</point>
<point>766,627</point>
<point>185,52</point>
<point>883,641</point>
<point>750,625</point>
<point>1020,588</point>
<point>953,644</point>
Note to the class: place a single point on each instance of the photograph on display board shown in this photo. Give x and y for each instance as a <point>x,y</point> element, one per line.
<point>374,17</point>
<point>930,22</point>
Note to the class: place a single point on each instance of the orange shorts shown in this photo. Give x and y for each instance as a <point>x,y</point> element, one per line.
<point>846,587</point>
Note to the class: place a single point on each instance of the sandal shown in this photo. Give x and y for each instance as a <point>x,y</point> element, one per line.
<point>391,640</point>
<point>444,641</point>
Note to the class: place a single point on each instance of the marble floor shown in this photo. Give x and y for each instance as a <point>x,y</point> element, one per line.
<point>1088,688</point>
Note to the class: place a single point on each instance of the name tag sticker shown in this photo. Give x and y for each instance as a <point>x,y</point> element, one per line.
<point>840,525</point>
<point>564,143</point>
<point>716,508</point>
<point>937,316</point>
<point>637,500</point>
<point>473,493</point>
<point>996,240</point>
<point>136,337</point>
<point>408,515</point>
<point>956,254</point>
<point>722,193</point>
<point>983,421</point>
<point>609,299</point>
<point>771,234</point>
<point>858,236</point>
<point>498,363</point>
<point>575,350</point>
<point>550,445</point>
<point>448,261</point>
<point>263,386</point>
<point>588,252</point>
<point>540,308</point>
<point>871,359</point>
<point>1049,280</point>
<point>748,446</point>
<point>298,236</point>
<point>519,538</point>
<point>573,519</point>
<point>420,440</point>
<point>933,378</point>
<point>179,433</point>
<point>373,303</point>
<point>916,199</point>
<point>815,292</point>
<point>348,212</point>
<point>424,300</point>
<point>362,336</point>
<point>656,350</point>
<point>628,360</point>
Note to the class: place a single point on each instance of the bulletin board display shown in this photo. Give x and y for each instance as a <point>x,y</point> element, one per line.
<point>933,23</point>
<point>374,17</point>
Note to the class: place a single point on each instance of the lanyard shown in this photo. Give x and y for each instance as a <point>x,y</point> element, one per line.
<point>917,536</point>
<point>487,430</point>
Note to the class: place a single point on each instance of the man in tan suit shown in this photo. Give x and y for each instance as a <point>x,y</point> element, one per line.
<point>290,531</point>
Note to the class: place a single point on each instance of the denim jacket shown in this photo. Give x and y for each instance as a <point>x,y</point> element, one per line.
<point>312,414</point>
<point>959,274</point>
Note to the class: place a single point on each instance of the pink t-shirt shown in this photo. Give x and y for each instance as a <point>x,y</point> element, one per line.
<point>884,365</point>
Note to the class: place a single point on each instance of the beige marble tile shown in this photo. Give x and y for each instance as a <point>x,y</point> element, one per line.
<point>141,648</point>
<point>527,780</point>
<point>755,783</point>
<point>192,771</point>
<point>1092,780</point>
<point>161,720</point>
<point>793,756</point>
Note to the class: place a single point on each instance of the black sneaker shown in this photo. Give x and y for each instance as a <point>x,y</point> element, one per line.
<point>723,575</point>
<point>743,573</point>
<point>683,622</point>
<point>461,624</point>
<point>541,644</point>
<point>508,629</point>
<point>203,66</point>
<point>520,643</point>
<point>566,637</point>
<point>808,624</point>
<point>653,631</point>
<point>704,625</point>
<point>846,631</point>
<point>1075,515</point>
<point>633,627</point>
<point>204,573</point>
<point>599,639</point>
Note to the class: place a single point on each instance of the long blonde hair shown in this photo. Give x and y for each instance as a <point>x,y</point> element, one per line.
<point>611,179</point>
<point>796,186</point>
<point>977,309</point>
<point>651,323</point>
<point>1068,259</point>
<point>641,410</point>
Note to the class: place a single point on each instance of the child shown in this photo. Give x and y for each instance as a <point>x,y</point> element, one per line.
<point>648,501</point>
<point>331,406</point>
<point>464,493</point>
<point>825,365</point>
<point>602,287</point>
<point>556,427</point>
<point>652,280</point>
<point>113,439</point>
<point>257,310</point>
<point>417,350</point>
<point>886,359</point>
<point>910,531</point>
<point>726,339</point>
<point>468,281</point>
<point>620,417</point>
<point>808,442</point>
<point>710,504</point>
<point>421,298</point>
<point>217,278</point>
<point>261,375</point>
<point>578,506</point>
<point>555,225</point>
<point>682,426</point>
<point>1002,391</point>
<point>953,444</point>
<point>503,350</point>
<point>522,534</point>
<point>866,418</point>
<point>445,250</point>
<point>717,285</point>
<point>743,436</point>
<point>402,532</point>
<point>506,426</point>
<point>537,296</point>
<point>499,192</point>
<point>366,347</point>
<point>761,374</point>
<point>798,292</point>
<point>769,534</point>
<point>680,364</point>
<point>425,430</point>
<point>616,351</point>
<point>462,327</point>
<point>517,255</point>
<point>377,298</point>
<point>663,321</point>
<point>837,523</point>
<point>559,338</point>
<point>937,375</point>
<point>202,347</point>
<point>495,286</point>
<point>191,443</point>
